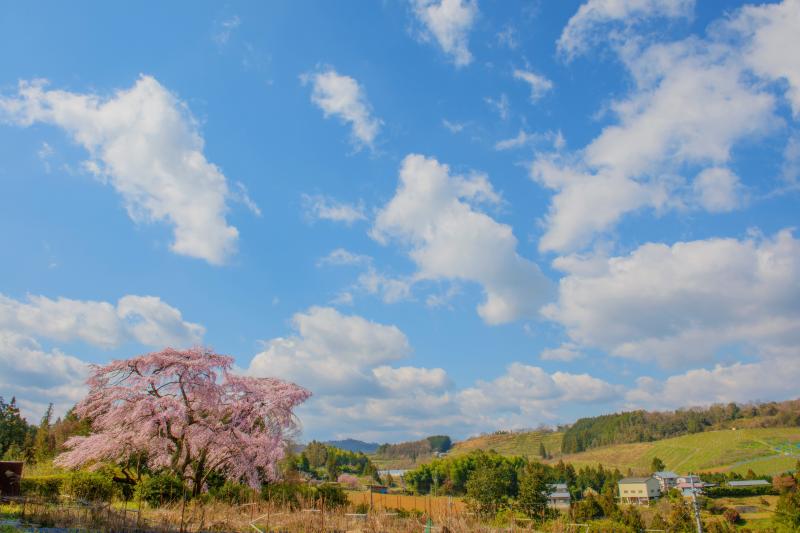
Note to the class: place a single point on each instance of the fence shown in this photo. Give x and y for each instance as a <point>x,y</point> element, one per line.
<point>430,505</point>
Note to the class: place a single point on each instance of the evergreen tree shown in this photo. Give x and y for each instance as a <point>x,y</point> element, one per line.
<point>14,430</point>
<point>657,465</point>
<point>44,444</point>
<point>534,491</point>
<point>542,451</point>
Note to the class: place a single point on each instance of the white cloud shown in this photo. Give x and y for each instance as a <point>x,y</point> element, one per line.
<point>691,105</point>
<point>585,26</point>
<point>539,84</point>
<point>331,353</point>
<point>526,394</point>
<point>144,319</point>
<point>346,361</point>
<point>37,377</point>
<point>436,215</point>
<point>774,378</point>
<point>565,353</point>
<point>773,39</point>
<point>318,207</point>
<point>718,190</point>
<point>500,105</point>
<point>524,138</point>
<point>342,96</point>
<point>684,303</point>
<point>449,22</point>
<point>453,127</point>
<point>146,144</point>
<point>340,256</point>
<point>225,28</point>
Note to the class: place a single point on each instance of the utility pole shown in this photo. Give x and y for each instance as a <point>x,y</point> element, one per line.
<point>695,507</point>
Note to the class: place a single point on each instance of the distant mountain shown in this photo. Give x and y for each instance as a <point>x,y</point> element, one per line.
<point>353,445</point>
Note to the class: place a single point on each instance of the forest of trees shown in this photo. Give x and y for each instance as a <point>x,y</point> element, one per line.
<point>414,449</point>
<point>325,461</point>
<point>21,441</point>
<point>644,426</point>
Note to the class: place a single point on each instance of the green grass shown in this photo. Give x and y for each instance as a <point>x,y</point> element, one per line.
<point>520,444</point>
<point>765,451</point>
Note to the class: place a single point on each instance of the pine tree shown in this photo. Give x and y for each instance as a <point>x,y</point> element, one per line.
<point>542,451</point>
<point>44,443</point>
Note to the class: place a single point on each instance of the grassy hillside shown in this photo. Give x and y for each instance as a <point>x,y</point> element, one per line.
<point>766,451</point>
<point>521,444</point>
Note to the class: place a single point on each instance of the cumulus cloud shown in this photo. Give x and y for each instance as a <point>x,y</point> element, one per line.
<point>331,352</point>
<point>449,23</point>
<point>143,319</point>
<point>691,104</point>
<point>772,38</point>
<point>318,207</point>
<point>343,97</point>
<point>774,378</point>
<point>682,304</point>
<point>540,85</point>
<point>37,376</point>
<point>436,214</point>
<point>566,352</point>
<point>361,391</point>
<point>146,144</point>
<point>587,26</point>
<point>718,190</point>
<point>525,394</point>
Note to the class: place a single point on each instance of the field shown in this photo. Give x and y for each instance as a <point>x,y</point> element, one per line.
<point>765,451</point>
<point>520,444</point>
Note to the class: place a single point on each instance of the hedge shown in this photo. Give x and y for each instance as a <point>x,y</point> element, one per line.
<point>48,487</point>
<point>161,489</point>
<point>91,486</point>
<point>740,492</point>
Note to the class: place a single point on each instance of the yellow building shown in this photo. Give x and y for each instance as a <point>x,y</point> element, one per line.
<point>638,489</point>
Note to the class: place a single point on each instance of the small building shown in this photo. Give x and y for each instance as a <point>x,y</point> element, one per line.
<point>749,483</point>
<point>10,476</point>
<point>688,480</point>
<point>560,497</point>
<point>666,480</point>
<point>638,489</point>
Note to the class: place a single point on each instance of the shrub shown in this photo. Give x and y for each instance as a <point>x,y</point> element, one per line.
<point>731,515</point>
<point>606,525</point>
<point>286,493</point>
<point>233,493</point>
<point>348,480</point>
<point>332,496</point>
<point>48,487</point>
<point>91,486</point>
<point>160,489</point>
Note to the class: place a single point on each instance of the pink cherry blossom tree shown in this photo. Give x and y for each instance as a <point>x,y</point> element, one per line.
<point>185,411</point>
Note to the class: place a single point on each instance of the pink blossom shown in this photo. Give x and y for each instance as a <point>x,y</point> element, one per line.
<point>183,410</point>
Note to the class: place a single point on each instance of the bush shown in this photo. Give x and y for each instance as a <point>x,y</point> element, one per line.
<point>731,515</point>
<point>286,493</point>
<point>332,496</point>
<point>90,486</point>
<point>605,525</point>
<point>160,489</point>
<point>233,493</point>
<point>48,487</point>
<point>739,492</point>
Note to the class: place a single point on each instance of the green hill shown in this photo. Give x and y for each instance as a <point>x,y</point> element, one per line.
<point>764,450</point>
<point>508,443</point>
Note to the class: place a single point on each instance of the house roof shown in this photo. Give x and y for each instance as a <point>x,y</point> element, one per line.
<point>560,487</point>
<point>666,475</point>
<point>628,480</point>
<point>748,483</point>
<point>559,495</point>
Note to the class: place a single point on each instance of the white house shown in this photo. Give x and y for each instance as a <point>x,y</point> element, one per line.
<point>638,489</point>
<point>666,480</point>
<point>560,497</point>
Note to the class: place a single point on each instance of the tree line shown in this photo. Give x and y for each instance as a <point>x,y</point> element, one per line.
<point>645,426</point>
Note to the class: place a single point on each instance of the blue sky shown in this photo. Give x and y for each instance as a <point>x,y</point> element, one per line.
<point>439,216</point>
